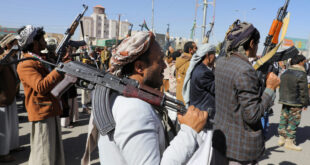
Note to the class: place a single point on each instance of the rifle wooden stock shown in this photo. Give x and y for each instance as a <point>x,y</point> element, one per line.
<point>273,36</point>
<point>65,84</point>
<point>275,31</point>
<point>131,91</point>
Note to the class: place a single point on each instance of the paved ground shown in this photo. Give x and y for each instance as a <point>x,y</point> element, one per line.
<point>74,141</point>
<point>279,155</point>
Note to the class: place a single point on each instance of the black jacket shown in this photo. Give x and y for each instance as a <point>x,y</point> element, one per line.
<point>294,87</point>
<point>202,88</point>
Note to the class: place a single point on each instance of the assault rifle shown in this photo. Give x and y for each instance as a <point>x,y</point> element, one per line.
<point>61,49</point>
<point>105,86</point>
<point>81,74</point>
<point>273,36</point>
<point>206,38</point>
<point>167,41</point>
<point>129,30</point>
<point>265,64</point>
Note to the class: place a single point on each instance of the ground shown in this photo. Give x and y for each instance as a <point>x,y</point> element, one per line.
<point>74,141</point>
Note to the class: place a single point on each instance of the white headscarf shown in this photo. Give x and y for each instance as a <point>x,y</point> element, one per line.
<point>26,36</point>
<point>197,57</point>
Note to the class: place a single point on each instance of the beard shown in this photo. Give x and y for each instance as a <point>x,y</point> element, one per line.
<point>153,80</point>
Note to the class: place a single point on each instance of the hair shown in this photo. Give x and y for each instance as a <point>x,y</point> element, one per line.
<point>128,69</point>
<point>37,37</point>
<point>297,59</point>
<point>254,36</point>
<point>175,54</point>
<point>188,45</point>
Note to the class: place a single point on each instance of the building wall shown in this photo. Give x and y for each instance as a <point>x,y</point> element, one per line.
<point>124,28</point>
<point>87,25</point>
<point>112,29</point>
<point>98,26</point>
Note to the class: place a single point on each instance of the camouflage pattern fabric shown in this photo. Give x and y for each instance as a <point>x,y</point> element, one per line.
<point>289,121</point>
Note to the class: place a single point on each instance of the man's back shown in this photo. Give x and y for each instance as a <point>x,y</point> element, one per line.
<point>294,87</point>
<point>239,107</point>
<point>181,67</point>
<point>202,87</point>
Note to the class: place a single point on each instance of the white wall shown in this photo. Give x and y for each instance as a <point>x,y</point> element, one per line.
<point>98,26</point>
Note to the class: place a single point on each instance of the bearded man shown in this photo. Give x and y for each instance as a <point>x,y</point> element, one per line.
<point>139,137</point>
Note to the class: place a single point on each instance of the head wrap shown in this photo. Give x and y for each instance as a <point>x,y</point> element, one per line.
<point>7,39</point>
<point>51,44</point>
<point>238,34</point>
<point>129,50</point>
<point>27,35</point>
<point>197,57</point>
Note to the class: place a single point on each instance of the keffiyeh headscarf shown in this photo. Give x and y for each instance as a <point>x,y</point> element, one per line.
<point>7,39</point>
<point>129,50</point>
<point>239,34</point>
<point>197,57</point>
<point>27,35</point>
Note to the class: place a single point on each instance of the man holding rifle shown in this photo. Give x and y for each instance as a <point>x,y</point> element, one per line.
<point>240,103</point>
<point>139,136</point>
<point>9,139</point>
<point>43,109</point>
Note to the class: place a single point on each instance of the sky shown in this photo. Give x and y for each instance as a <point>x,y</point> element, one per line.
<point>57,15</point>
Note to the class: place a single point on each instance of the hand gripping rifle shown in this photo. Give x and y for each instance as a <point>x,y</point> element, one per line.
<point>104,84</point>
<point>61,49</point>
<point>265,64</point>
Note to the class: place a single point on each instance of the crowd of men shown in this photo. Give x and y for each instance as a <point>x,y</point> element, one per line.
<point>221,93</point>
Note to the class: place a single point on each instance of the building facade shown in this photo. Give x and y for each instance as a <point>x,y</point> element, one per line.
<point>98,26</point>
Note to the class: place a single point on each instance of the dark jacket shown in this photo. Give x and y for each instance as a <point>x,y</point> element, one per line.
<point>239,108</point>
<point>8,85</point>
<point>294,87</point>
<point>202,88</point>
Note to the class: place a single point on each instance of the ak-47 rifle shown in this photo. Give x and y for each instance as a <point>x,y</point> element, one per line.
<point>61,49</point>
<point>167,40</point>
<point>103,83</point>
<point>129,30</point>
<point>77,72</point>
<point>207,36</point>
<point>265,65</point>
<point>144,25</point>
<point>206,39</point>
<point>273,36</point>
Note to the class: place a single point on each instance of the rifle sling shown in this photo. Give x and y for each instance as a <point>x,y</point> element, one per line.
<point>268,56</point>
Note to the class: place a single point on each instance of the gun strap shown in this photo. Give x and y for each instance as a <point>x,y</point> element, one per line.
<point>268,56</point>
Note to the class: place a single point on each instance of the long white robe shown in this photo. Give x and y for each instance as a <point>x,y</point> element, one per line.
<point>9,137</point>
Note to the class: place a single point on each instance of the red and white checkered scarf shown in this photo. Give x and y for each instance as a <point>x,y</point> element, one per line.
<point>129,50</point>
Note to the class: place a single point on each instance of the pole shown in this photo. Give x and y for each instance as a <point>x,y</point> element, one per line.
<point>152,15</point>
<point>118,29</point>
<point>205,5</point>
<point>194,25</point>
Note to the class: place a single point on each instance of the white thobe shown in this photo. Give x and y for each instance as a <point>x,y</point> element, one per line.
<point>139,138</point>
